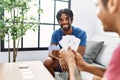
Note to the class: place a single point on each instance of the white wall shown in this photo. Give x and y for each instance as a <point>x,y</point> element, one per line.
<point>85,17</point>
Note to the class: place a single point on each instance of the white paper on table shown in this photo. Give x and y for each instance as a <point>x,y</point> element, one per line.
<point>26,73</point>
<point>23,66</point>
<point>28,76</point>
<point>24,70</point>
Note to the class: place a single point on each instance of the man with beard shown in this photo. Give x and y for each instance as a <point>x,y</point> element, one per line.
<point>65,19</point>
<point>109,14</point>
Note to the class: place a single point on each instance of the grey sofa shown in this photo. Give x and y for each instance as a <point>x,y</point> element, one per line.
<point>101,56</point>
<point>104,55</point>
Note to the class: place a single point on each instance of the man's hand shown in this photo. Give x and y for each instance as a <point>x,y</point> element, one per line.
<point>63,65</point>
<point>54,54</point>
<point>65,58</point>
<point>67,55</point>
<point>72,55</point>
<point>79,61</point>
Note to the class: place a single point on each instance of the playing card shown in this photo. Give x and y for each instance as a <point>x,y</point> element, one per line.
<point>74,44</point>
<point>53,47</point>
<point>23,66</point>
<point>64,43</point>
<point>28,77</point>
<point>26,73</point>
<point>69,41</point>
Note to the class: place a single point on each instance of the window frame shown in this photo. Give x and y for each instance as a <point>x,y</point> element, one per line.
<point>2,42</point>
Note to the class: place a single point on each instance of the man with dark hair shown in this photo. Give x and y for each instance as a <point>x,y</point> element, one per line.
<point>109,14</point>
<point>65,19</point>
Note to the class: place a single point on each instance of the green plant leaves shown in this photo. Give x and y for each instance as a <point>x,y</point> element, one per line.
<point>15,25</point>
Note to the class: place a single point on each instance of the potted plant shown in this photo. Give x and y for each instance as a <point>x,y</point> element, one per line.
<point>13,26</point>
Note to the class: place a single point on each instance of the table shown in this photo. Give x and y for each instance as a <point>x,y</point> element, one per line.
<point>30,70</point>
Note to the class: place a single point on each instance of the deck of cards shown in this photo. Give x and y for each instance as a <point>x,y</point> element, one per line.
<point>70,41</point>
<point>53,47</point>
<point>54,50</point>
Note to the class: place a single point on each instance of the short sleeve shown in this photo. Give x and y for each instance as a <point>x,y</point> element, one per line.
<point>56,36</point>
<point>83,38</point>
<point>81,34</point>
<point>113,70</point>
<point>53,38</point>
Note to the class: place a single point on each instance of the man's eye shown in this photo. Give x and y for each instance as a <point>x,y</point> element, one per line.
<point>61,20</point>
<point>67,18</point>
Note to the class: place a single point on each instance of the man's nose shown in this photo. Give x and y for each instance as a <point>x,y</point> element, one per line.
<point>64,21</point>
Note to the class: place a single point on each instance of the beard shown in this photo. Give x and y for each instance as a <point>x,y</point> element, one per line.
<point>108,28</point>
<point>65,28</point>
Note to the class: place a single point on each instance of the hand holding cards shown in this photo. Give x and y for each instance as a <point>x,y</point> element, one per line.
<point>66,41</point>
<point>69,41</point>
<point>54,51</point>
<point>53,47</point>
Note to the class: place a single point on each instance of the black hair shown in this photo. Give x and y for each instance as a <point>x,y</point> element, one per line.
<point>66,11</point>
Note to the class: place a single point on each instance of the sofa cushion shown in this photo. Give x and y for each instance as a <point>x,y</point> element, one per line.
<point>110,44</point>
<point>106,53</point>
<point>92,49</point>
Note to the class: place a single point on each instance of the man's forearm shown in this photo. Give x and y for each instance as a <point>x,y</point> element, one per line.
<point>95,70</point>
<point>73,70</point>
<point>54,54</point>
<point>81,50</point>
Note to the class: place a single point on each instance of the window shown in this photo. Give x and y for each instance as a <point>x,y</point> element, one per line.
<point>40,39</point>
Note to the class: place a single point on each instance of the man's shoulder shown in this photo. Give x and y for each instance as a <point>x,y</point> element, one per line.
<point>57,31</point>
<point>78,29</point>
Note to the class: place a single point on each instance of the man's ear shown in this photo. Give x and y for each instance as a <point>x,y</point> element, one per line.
<point>113,5</point>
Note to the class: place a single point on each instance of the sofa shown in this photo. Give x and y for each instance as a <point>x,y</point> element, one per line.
<point>103,50</point>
